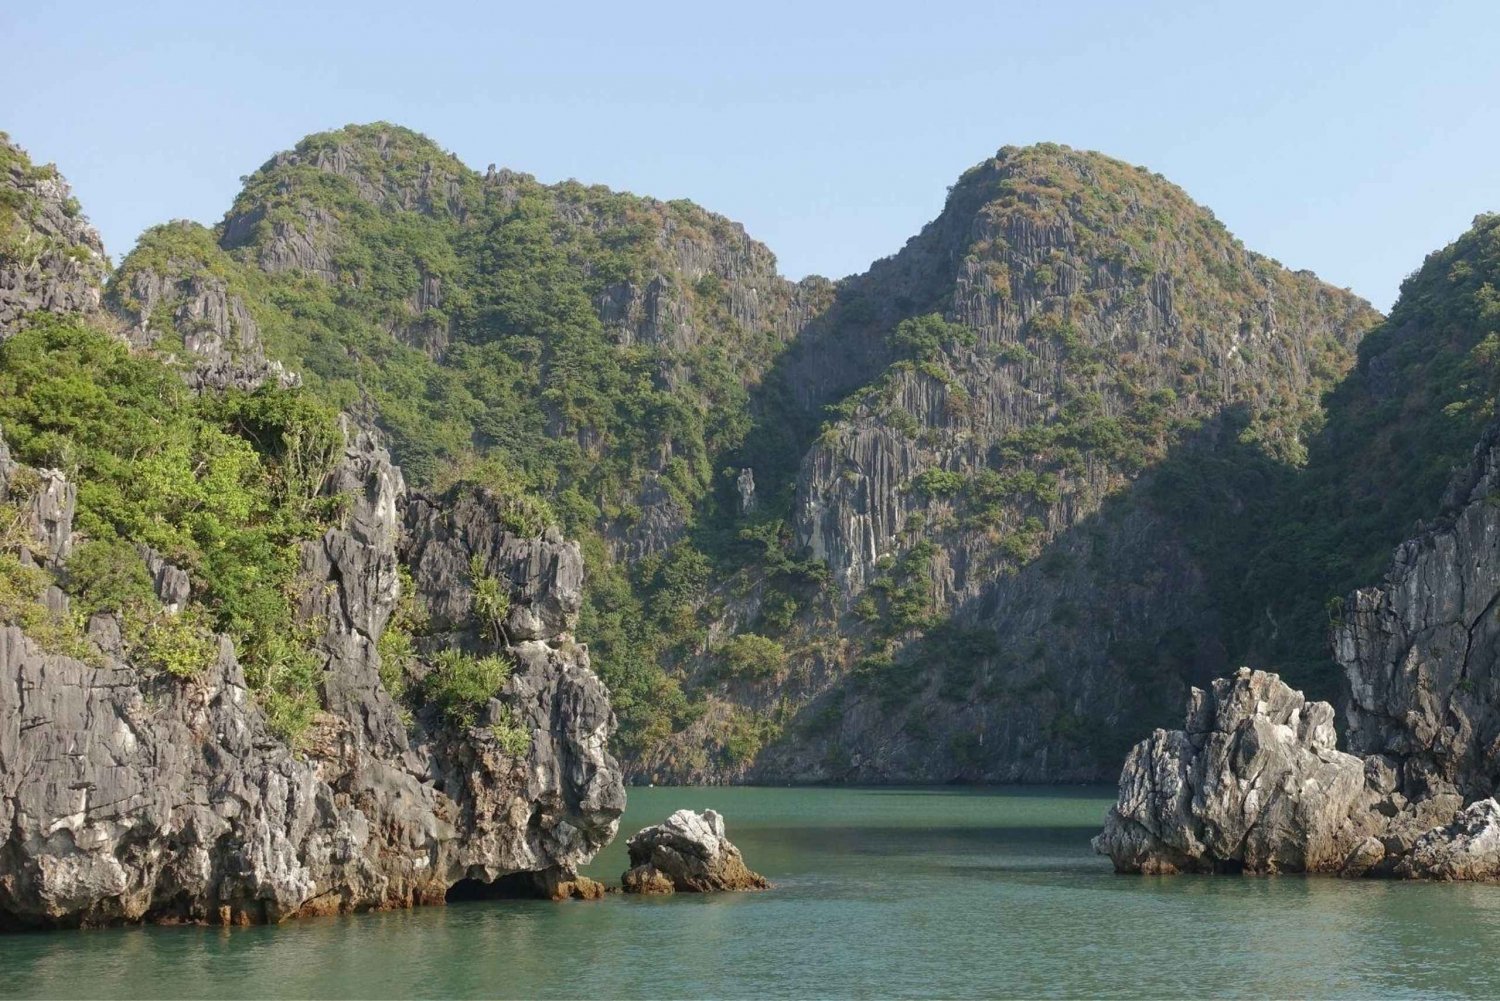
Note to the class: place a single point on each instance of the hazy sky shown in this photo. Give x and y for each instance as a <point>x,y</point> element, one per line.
<point>1349,138</point>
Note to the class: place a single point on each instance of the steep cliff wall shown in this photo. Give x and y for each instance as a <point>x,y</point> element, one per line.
<point>1256,784</point>
<point>132,794</point>
<point>1419,652</point>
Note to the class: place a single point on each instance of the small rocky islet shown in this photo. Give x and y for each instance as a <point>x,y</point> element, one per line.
<point>688,853</point>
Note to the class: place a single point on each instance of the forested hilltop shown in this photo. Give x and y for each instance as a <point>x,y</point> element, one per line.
<point>587,354</point>
<point>980,513</point>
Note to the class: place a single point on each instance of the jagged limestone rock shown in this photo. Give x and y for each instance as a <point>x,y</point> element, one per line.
<point>1253,782</point>
<point>688,852</point>
<point>447,533</point>
<point>127,795</point>
<point>1419,652</point>
<point>48,501</point>
<point>744,485</point>
<point>51,259</point>
<point>220,341</point>
<point>1466,849</point>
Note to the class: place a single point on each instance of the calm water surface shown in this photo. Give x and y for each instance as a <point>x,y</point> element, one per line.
<point>879,892</point>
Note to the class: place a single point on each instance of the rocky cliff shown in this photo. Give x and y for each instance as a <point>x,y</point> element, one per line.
<point>1254,781</point>
<point>179,306</point>
<point>131,794</point>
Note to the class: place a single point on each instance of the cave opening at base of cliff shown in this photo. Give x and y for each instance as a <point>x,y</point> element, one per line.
<point>512,886</point>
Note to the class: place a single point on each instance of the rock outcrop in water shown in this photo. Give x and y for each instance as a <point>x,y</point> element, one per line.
<point>130,795</point>
<point>687,852</point>
<point>1231,790</point>
<point>1254,782</point>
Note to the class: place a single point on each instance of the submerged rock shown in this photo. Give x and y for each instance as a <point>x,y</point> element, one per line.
<point>688,852</point>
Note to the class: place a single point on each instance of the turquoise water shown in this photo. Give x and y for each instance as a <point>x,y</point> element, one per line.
<point>879,892</point>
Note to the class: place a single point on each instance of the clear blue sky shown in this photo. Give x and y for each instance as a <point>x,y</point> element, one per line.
<point>1349,138</point>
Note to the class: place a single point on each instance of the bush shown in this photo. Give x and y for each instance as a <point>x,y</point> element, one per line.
<point>109,575</point>
<point>461,684</point>
<point>511,734</point>
<point>750,657</point>
<point>938,482</point>
<point>182,644</point>
<point>491,599</point>
<point>926,337</point>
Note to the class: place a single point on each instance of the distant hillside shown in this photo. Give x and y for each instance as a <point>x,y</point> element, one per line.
<point>911,525</point>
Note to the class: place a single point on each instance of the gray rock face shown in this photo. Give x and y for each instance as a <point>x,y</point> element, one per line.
<point>1468,848</point>
<point>51,259</point>
<point>1252,783</point>
<point>1419,652</point>
<point>47,501</point>
<point>446,534</point>
<point>352,585</point>
<point>221,344</point>
<point>744,485</point>
<point>128,796</point>
<point>688,852</point>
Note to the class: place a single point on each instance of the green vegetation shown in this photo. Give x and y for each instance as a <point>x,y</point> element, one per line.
<point>181,644</point>
<point>749,657</point>
<point>491,600</point>
<point>21,603</point>
<point>501,373</point>
<point>222,486</point>
<point>397,646</point>
<point>925,338</point>
<point>511,734</point>
<point>899,599</point>
<point>462,684</point>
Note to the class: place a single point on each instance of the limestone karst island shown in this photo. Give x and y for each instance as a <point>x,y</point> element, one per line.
<point>432,566</point>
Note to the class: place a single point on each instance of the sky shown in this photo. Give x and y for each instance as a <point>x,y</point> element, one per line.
<point>1348,138</point>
